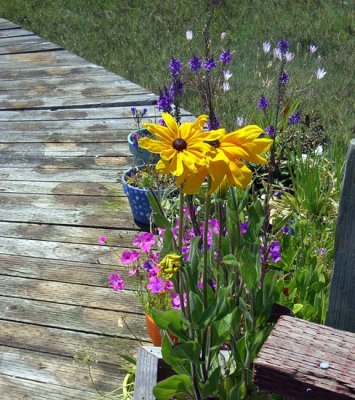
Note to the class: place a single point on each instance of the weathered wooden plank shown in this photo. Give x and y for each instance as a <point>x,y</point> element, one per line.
<point>66,234</point>
<point>8,25</point>
<point>100,170</point>
<point>67,149</point>
<point>66,188</point>
<point>25,44</point>
<point>94,114</point>
<point>290,361</point>
<point>62,128</point>
<point>341,311</point>
<point>14,33</point>
<point>80,167</point>
<point>74,318</point>
<point>23,39</point>
<point>56,370</point>
<point>53,83</point>
<point>68,97</point>
<point>77,135</point>
<point>70,210</point>
<point>69,293</point>
<point>13,388</point>
<point>63,342</point>
<point>56,270</point>
<point>60,250</point>
<point>51,59</point>
<point>62,271</point>
<point>37,72</point>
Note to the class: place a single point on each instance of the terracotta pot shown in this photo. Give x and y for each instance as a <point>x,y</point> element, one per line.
<point>154,332</point>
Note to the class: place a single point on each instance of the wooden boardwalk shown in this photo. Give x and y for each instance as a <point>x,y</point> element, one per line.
<point>63,129</point>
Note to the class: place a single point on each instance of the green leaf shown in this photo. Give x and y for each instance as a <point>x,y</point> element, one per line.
<point>156,207</point>
<point>171,321</point>
<point>230,259</point>
<point>189,351</point>
<point>178,366</point>
<point>161,221</point>
<point>297,308</point>
<point>249,274</point>
<point>173,387</point>
<point>195,252</point>
<point>210,388</point>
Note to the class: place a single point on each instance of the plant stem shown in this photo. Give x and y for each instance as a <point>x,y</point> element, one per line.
<point>181,219</point>
<point>205,243</point>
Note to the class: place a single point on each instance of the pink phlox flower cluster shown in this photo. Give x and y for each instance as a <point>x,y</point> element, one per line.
<point>102,240</point>
<point>188,213</point>
<point>157,285</point>
<point>129,257</point>
<point>116,282</point>
<point>175,301</point>
<point>144,241</point>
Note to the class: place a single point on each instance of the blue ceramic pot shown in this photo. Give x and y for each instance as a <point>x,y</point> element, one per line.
<point>141,156</point>
<point>138,200</point>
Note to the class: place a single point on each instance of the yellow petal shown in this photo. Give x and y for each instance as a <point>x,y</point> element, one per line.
<point>171,125</point>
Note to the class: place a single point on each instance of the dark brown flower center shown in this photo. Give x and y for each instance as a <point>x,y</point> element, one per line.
<point>179,144</point>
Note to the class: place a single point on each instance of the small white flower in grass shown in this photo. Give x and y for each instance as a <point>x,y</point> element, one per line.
<point>227,75</point>
<point>266,47</point>
<point>289,56</point>
<point>223,35</point>
<point>319,150</point>
<point>240,121</point>
<point>312,48</point>
<point>320,73</point>
<point>226,86</point>
<point>277,53</point>
<point>189,35</point>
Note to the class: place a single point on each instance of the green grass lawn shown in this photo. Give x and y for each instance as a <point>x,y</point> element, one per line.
<point>135,39</point>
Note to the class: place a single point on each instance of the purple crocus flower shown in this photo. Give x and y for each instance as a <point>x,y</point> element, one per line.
<point>283,45</point>
<point>283,78</point>
<point>263,103</point>
<point>147,266</point>
<point>294,119</point>
<point>225,57</point>
<point>175,66</point>
<point>165,101</point>
<point>270,130</point>
<point>209,64</point>
<point>195,63</point>
<point>133,111</point>
<point>216,124</point>
<point>243,227</point>
<point>176,88</point>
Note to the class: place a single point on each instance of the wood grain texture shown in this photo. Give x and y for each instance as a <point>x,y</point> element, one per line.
<point>289,362</point>
<point>73,318</point>
<point>60,342</point>
<point>341,311</point>
<point>63,148</point>
<point>13,388</point>
<point>55,370</point>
